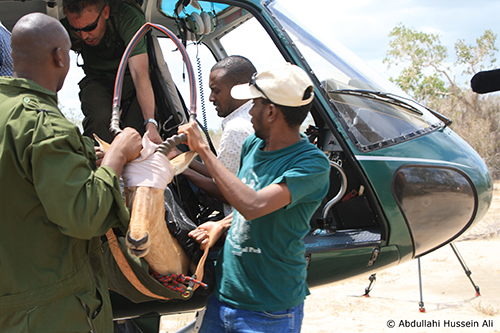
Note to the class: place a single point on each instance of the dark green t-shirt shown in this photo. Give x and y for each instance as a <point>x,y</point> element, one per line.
<point>262,265</point>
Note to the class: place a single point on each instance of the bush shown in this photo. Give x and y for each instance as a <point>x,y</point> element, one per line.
<point>476,118</point>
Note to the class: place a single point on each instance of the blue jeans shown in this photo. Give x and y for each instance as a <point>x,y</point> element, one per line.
<point>222,318</point>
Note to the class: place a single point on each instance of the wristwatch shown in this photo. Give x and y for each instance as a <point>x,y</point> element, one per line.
<point>151,120</point>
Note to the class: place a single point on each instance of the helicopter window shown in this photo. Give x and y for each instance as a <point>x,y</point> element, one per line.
<point>371,124</point>
<point>438,203</point>
<point>168,7</point>
<point>375,123</point>
<point>256,39</point>
<point>330,61</point>
<point>253,42</point>
<point>236,32</point>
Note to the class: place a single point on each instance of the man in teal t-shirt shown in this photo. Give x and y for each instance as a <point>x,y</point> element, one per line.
<point>261,271</point>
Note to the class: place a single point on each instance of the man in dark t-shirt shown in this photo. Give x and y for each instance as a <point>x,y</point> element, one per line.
<point>100,30</point>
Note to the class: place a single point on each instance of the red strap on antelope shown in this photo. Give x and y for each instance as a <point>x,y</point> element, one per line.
<point>175,282</point>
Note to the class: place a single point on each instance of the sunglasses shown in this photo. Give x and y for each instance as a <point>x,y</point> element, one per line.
<point>90,27</point>
<point>253,83</point>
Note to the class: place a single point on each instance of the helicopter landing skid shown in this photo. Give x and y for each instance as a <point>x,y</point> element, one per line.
<point>421,302</point>
<point>464,266</point>
<point>466,269</point>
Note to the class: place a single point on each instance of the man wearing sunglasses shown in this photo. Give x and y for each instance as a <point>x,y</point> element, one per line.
<point>100,30</point>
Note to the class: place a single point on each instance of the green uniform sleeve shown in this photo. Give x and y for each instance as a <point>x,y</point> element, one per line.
<point>82,202</point>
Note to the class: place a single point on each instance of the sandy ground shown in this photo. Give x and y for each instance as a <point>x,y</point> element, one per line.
<point>449,298</point>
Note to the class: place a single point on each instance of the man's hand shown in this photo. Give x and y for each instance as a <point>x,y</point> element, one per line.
<point>100,155</point>
<point>202,234</point>
<point>194,139</point>
<point>129,142</point>
<point>152,133</point>
<point>209,232</point>
<point>125,147</point>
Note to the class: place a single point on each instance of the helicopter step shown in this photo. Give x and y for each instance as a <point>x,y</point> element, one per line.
<point>342,239</point>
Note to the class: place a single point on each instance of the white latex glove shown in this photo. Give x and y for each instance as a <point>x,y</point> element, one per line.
<point>150,169</point>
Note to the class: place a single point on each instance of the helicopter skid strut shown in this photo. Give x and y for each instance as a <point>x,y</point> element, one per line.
<point>421,302</point>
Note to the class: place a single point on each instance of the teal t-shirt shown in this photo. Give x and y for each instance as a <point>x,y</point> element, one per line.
<point>262,265</point>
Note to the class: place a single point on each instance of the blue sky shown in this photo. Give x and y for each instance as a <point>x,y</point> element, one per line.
<point>363,27</point>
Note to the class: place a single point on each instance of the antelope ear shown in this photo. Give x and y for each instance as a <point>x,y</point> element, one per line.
<point>104,144</point>
<point>181,162</point>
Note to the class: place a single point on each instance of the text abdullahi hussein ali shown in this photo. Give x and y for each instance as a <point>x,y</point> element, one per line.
<point>440,323</point>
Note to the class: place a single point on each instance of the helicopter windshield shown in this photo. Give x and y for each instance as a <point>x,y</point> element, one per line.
<point>376,112</point>
<point>171,7</point>
<point>332,63</point>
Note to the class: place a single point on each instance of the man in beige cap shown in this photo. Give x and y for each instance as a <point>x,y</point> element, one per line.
<point>261,271</point>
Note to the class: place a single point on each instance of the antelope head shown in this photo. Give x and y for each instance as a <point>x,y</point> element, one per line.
<point>145,181</point>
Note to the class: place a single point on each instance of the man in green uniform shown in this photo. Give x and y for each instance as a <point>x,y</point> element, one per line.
<point>100,30</point>
<point>54,204</point>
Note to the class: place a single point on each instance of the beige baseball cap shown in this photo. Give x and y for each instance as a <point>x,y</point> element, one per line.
<point>284,85</point>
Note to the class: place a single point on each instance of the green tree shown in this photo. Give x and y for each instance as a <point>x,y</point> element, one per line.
<point>479,57</point>
<point>417,52</point>
<point>427,75</point>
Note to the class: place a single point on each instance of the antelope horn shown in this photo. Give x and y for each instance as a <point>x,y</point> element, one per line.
<point>180,162</point>
<point>104,145</point>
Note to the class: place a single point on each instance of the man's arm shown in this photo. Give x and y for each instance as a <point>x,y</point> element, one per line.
<point>207,184</point>
<point>83,202</point>
<point>125,148</point>
<point>248,202</point>
<point>139,69</point>
<point>198,174</point>
<point>211,231</point>
<point>199,168</point>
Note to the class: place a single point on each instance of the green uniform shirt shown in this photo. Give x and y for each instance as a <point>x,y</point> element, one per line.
<point>104,58</point>
<point>262,266</point>
<point>54,206</point>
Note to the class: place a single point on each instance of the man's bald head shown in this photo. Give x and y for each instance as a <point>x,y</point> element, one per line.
<point>40,44</point>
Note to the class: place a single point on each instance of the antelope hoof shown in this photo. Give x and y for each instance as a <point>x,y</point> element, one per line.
<point>138,247</point>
